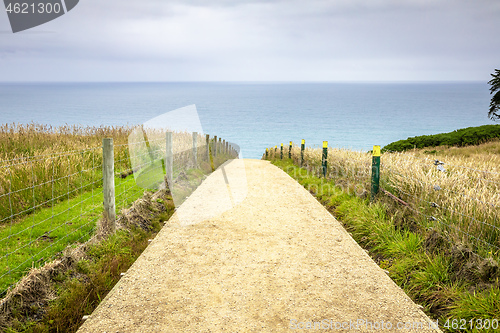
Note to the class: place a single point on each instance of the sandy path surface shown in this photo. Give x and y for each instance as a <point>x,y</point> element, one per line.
<point>272,263</point>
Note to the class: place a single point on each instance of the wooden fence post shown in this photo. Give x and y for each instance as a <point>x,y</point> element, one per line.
<point>208,147</point>
<point>324,158</point>
<point>220,146</point>
<point>375,172</point>
<point>195,149</point>
<point>302,147</point>
<point>214,147</point>
<point>169,160</point>
<point>108,186</point>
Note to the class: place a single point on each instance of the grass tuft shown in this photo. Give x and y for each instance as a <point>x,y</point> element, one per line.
<point>431,273</point>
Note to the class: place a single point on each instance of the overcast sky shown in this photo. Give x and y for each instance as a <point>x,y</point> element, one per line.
<point>252,40</point>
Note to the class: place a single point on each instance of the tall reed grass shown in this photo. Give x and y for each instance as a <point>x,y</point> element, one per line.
<point>51,184</point>
<point>462,202</point>
<point>40,164</point>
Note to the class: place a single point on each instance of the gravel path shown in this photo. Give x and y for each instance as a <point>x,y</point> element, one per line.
<point>277,261</point>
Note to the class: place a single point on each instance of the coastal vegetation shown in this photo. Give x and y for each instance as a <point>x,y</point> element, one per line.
<point>48,162</point>
<point>493,113</point>
<point>57,264</point>
<point>435,231</point>
<point>57,296</point>
<point>51,191</point>
<point>459,138</point>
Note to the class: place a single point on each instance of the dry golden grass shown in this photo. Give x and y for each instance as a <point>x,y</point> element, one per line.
<point>462,202</point>
<point>51,184</point>
<point>22,141</point>
<point>39,162</point>
<point>466,194</point>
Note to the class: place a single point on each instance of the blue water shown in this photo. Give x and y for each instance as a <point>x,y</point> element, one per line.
<point>256,116</point>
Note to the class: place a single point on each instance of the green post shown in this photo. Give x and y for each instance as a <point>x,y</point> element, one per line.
<point>275,151</point>
<point>302,147</point>
<point>281,151</point>
<point>267,153</point>
<point>375,172</point>
<point>325,157</point>
<point>290,150</point>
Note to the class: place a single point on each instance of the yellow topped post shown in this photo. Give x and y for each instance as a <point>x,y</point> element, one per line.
<point>302,147</point>
<point>324,157</point>
<point>375,172</point>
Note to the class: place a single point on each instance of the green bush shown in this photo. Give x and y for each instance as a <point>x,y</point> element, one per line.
<point>462,137</point>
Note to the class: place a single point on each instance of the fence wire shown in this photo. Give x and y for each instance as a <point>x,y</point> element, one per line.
<point>461,202</point>
<point>46,203</point>
<point>51,201</point>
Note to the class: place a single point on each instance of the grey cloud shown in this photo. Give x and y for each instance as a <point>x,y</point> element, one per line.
<point>271,40</point>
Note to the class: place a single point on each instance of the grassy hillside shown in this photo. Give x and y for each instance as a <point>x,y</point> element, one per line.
<point>462,137</point>
<point>462,201</point>
<point>51,201</point>
<point>441,241</point>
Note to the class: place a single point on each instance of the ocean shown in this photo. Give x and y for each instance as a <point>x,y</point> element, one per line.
<point>260,115</point>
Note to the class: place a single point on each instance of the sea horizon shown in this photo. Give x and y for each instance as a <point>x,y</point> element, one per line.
<point>256,115</point>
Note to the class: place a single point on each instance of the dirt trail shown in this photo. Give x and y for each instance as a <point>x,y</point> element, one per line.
<point>271,264</point>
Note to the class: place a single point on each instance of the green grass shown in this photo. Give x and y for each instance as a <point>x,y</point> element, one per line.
<point>477,305</point>
<point>37,181</point>
<point>51,197</point>
<point>428,278</point>
<point>32,240</point>
<point>152,176</point>
<point>37,238</point>
<point>84,286</point>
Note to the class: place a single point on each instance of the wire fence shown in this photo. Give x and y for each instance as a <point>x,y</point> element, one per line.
<point>461,201</point>
<point>46,203</point>
<point>52,201</point>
